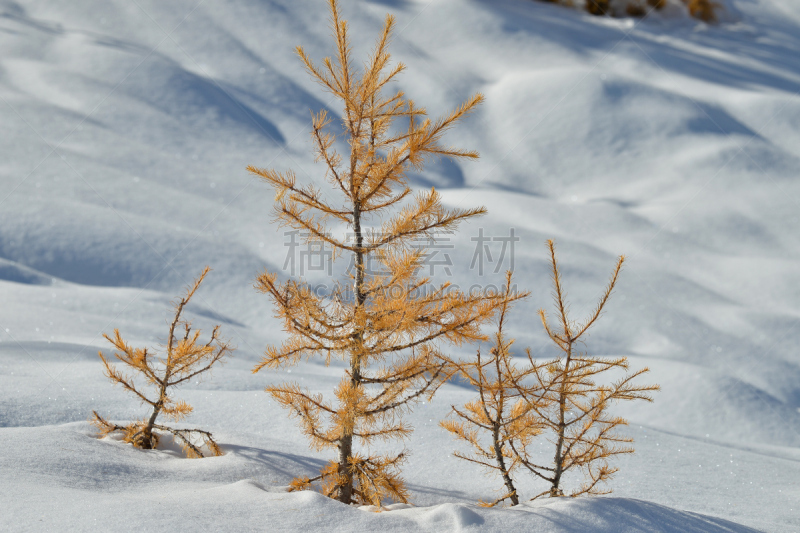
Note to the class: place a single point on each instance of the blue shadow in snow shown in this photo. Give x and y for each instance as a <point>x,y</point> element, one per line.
<point>709,119</point>
<point>441,172</point>
<point>11,271</point>
<point>721,54</point>
<point>200,97</point>
<point>298,465</point>
<point>627,514</point>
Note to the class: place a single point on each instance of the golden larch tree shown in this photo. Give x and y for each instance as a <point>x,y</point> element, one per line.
<point>704,10</point>
<point>185,358</point>
<point>386,323</point>
<point>577,403</point>
<point>504,411</point>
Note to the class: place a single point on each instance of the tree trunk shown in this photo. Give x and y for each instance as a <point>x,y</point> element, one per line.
<point>346,440</point>
<point>498,454</point>
<point>345,452</point>
<point>147,432</point>
<point>555,490</point>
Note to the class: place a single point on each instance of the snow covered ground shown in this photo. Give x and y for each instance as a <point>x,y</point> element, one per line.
<point>126,128</point>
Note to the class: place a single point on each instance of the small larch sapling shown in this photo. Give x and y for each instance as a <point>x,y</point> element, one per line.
<point>185,358</point>
<point>504,415</point>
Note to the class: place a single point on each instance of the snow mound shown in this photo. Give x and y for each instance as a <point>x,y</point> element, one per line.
<point>49,470</point>
<point>12,271</point>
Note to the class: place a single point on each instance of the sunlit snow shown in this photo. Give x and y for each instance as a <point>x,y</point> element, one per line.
<point>126,129</point>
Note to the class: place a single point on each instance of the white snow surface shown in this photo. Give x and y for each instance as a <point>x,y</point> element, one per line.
<point>126,129</point>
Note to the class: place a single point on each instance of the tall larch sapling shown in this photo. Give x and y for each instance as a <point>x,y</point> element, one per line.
<point>387,324</point>
<point>577,399</point>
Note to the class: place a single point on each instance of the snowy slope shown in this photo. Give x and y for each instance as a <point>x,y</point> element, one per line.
<point>127,126</point>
